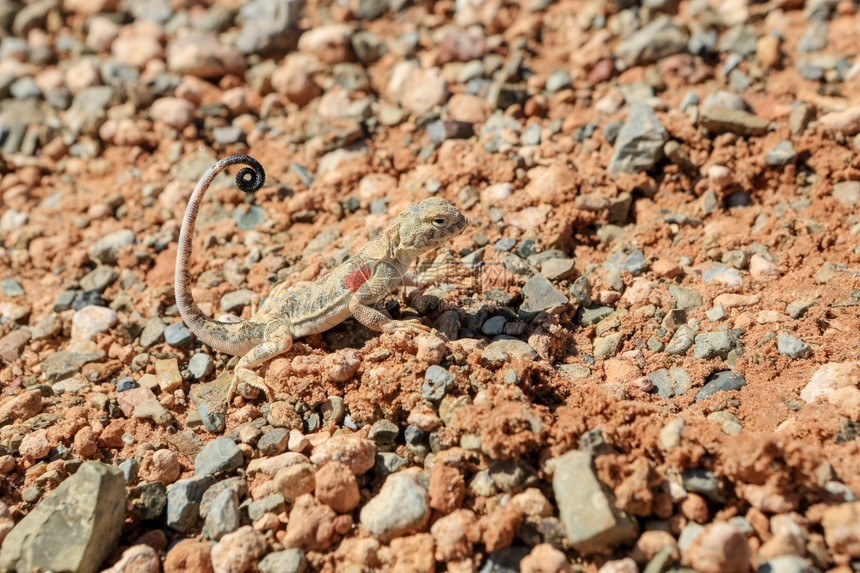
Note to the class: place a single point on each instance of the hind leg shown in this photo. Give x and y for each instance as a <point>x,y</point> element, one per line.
<point>278,341</point>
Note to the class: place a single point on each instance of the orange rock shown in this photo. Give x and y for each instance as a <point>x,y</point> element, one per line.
<point>337,487</point>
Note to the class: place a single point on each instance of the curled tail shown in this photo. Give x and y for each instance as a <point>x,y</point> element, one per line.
<point>232,338</point>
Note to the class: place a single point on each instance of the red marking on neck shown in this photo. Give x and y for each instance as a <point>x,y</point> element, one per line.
<point>353,281</point>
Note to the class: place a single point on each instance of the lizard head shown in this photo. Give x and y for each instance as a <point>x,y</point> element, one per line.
<point>428,225</point>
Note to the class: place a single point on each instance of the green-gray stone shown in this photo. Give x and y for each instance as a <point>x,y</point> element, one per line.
<point>721,120</point>
<point>685,298</point>
<point>218,455</point>
<point>607,346</point>
<point>61,365</point>
<point>587,508</point>
<point>74,529</point>
<point>681,340</point>
<point>541,295</point>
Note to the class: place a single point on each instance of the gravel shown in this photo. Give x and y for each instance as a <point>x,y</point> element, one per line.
<point>657,208</point>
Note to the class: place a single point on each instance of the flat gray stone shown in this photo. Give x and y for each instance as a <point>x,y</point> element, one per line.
<point>712,344</point>
<point>494,326</point>
<point>716,314</point>
<point>152,332</point>
<point>782,154</point>
<point>402,506</point>
<point>685,299</point>
<point>269,25</point>
<point>74,529</point>
<point>383,432</point>
<point>504,348</point>
<point>724,381</point>
<point>237,300</point>
<point>87,113</point>
<point>223,515</point>
<point>183,502</point>
<point>594,315</point>
<point>723,275</point>
<point>147,500</point>
<point>106,249</point>
<point>798,308</point>
<point>586,507</point>
<point>152,409</point>
<point>437,381</point>
<point>815,37</point>
<point>557,269</point>
<point>218,455</point>
<point>273,442</point>
<point>541,295</point>
<point>235,484</point>
<point>48,326</point>
<point>607,346</point>
<point>639,145</point>
<point>177,335</point>
<point>580,290</point>
<point>61,365</point>
<point>288,561</point>
<point>681,341</point>
<point>201,365</point>
<point>11,288</point>
<point>791,346</point>
<point>99,278</point>
<point>270,504</point>
<point>704,482</point>
<point>670,382</point>
<point>387,463</point>
<point>64,301</point>
<point>658,39</point>
<point>725,120</point>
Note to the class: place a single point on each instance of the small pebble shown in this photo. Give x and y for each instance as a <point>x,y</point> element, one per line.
<point>792,347</point>
<point>177,335</point>
<point>721,382</point>
<point>218,455</point>
<point>401,506</point>
<point>201,365</point>
<point>92,320</point>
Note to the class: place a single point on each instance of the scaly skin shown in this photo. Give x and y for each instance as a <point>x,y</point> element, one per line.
<point>349,290</point>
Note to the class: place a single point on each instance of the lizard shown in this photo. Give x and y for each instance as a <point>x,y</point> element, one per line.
<point>349,290</point>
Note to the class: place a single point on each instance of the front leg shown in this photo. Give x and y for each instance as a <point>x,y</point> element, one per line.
<point>410,280</point>
<point>278,340</point>
<point>375,320</point>
<point>381,282</point>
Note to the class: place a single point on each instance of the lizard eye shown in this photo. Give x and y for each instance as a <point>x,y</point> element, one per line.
<point>439,222</point>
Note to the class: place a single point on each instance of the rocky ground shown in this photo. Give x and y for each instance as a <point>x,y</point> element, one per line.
<point>652,320</point>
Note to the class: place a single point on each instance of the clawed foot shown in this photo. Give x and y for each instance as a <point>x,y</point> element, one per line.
<point>415,327</point>
<point>251,379</point>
